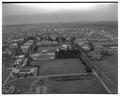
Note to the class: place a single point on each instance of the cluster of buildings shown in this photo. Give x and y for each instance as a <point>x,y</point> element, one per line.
<point>26,53</point>
<point>95,51</point>
<point>21,67</point>
<point>24,50</point>
<point>64,50</point>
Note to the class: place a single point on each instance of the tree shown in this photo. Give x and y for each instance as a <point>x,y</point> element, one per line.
<point>57,39</point>
<point>18,51</point>
<point>72,39</point>
<point>63,39</point>
<point>5,45</point>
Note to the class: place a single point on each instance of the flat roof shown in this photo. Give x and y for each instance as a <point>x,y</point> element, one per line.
<point>114,42</point>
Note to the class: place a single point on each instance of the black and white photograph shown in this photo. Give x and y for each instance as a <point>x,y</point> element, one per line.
<point>60,47</point>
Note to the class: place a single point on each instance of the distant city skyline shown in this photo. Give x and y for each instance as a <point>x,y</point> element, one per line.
<point>31,13</point>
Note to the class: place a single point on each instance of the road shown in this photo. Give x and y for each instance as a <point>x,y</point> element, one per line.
<point>7,79</point>
<point>105,86</point>
<point>6,72</point>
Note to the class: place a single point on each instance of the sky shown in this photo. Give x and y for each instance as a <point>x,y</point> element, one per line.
<point>33,13</point>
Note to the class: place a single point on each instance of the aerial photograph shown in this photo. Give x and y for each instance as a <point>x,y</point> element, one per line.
<point>59,48</point>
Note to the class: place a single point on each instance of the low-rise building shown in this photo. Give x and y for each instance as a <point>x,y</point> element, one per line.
<point>20,56</point>
<point>13,45</point>
<point>25,48</point>
<point>65,47</point>
<point>18,62</point>
<point>85,46</point>
<point>9,90</point>
<point>24,72</point>
<point>94,55</point>
<point>46,43</point>
<point>43,56</point>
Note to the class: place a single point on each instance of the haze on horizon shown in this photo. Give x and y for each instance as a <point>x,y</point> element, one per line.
<point>33,13</point>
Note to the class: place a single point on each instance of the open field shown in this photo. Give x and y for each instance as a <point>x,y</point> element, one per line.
<point>60,66</point>
<point>89,86</point>
<point>108,69</point>
<point>6,65</point>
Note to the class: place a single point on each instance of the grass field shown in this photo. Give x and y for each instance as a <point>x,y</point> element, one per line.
<point>60,66</point>
<point>7,63</point>
<point>90,85</point>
